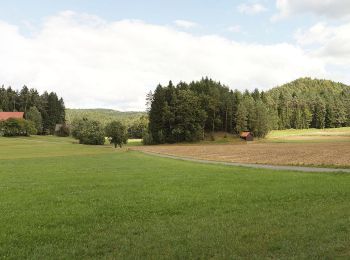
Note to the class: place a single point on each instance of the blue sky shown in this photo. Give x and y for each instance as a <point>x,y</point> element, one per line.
<point>213,16</point>
<point>111,53</point>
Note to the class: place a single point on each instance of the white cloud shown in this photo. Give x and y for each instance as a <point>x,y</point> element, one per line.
<point>234,28</point>
<point>327,8</point>
<point>331,43</point>
<point>251,9</point>
<point>94,63</point>
<point>185,24</point>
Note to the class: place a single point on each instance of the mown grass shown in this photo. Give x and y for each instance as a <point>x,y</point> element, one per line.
<point>66,201</point>
<point>329,135</point>
<point>343,131</point>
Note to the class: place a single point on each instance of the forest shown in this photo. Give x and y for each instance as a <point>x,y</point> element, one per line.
<point>45,110</point>
<point>186,112</point>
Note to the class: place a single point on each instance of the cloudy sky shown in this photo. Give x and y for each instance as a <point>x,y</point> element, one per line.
<point>110,53</point>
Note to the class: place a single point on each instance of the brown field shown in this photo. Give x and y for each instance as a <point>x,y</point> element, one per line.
<point>329,154</point>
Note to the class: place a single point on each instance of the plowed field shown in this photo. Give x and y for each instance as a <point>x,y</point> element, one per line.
<point>314,154</point>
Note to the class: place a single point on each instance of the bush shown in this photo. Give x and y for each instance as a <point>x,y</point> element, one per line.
<point>116,133</point>
<point>137,128</point>
<point>88,132</point>
<point>17,127</point>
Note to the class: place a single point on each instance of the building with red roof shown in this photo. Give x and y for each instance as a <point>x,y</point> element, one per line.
<point>6,115</point>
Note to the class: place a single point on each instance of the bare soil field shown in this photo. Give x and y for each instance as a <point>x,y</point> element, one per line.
<point>326,154</point>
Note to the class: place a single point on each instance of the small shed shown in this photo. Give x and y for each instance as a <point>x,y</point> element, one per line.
<point>247,136</point>
<point>6,115</point>
<point>58,127</point>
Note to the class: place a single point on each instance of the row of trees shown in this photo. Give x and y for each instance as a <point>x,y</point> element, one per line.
<point>44,110</point>
<point>92,132</point>
<point>186,111</point>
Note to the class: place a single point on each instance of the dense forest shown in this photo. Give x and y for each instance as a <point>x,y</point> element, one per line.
<point>186,111</point>
<point>45,110</point>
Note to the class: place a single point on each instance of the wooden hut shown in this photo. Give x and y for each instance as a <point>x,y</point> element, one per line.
<point>247,136</point>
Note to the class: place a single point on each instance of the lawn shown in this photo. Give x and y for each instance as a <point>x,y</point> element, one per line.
<point>63,200</point>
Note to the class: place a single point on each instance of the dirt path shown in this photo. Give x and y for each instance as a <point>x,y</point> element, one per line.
<point>257,166</point>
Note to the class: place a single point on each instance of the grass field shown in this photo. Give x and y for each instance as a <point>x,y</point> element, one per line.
<point>330,135</point>
<point>62,200</point>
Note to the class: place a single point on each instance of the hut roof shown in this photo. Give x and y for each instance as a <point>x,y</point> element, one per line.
<point>245,134</point>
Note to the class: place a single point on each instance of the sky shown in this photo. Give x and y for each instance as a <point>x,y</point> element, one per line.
<point>111,53</point>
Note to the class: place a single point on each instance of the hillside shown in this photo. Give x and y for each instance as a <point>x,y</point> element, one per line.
<point>307,102</point>
<point>308,87</point>
<point>103,115</point>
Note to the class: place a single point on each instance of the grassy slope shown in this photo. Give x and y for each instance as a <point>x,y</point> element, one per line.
<point>97,202</point>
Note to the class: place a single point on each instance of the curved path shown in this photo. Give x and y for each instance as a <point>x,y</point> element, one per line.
<point>251,165</point>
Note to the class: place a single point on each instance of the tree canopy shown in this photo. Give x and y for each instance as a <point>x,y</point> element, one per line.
<point>117,134</point>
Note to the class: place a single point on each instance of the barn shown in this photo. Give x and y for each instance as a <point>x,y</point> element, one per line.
<point>6,115</point>
<point>247,136</point>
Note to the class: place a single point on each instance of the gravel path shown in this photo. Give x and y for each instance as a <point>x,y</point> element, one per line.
<point>251,165</point>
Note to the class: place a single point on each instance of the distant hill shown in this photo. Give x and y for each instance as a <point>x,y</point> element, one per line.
<point>103,115</point>
<point>306,102</point>
<point>309,88</point>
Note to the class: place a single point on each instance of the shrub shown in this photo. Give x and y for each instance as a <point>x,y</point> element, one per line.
<point>137,128</point>
<point>18,127</point>
<point>88,132</point>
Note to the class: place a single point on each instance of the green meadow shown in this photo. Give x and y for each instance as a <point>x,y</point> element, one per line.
<point>62,200</point>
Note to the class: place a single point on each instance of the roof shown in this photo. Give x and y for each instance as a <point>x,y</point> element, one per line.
<point>7,115</point>
<point>245,134</point>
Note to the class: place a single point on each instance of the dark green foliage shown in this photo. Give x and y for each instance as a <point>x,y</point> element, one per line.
<point>314,103</point>
<point>17,127</point>
<point>241,118</point>
<point>138,128</point>
<point>184,112</point>
<point>117,134</point>
<point>147,138</point>
<point>176,115</point>
<point>35,116</point>
<point>88,132</point>
<point>50,107</point>
<point>260,120</point>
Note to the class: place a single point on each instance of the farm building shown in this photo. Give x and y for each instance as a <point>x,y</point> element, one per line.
<point>6,115</point>
<point>247,136</point>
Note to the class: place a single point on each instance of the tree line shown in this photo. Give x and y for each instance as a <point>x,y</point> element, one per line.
<point>45,110</point>
<point>186,112</point>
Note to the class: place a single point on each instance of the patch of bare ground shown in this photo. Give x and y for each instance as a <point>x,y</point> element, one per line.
<point>328,154</point>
